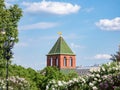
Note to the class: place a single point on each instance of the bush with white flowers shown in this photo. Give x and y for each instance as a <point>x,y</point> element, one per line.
<point>73,84</point>
<point>107,77</point>
<point>2,83</point>
<point>15,83</point>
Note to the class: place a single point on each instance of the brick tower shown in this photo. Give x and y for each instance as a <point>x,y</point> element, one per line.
<point>61,55</point>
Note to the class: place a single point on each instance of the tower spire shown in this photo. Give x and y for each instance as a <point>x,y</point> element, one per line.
<point>61,55</point>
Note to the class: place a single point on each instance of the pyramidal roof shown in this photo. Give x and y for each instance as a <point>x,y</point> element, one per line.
<point>60,47</point>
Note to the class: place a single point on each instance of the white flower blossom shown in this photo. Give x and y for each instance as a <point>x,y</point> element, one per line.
<point>109,69</point>
<point>60,83</point>
<point>117,68</point>
<point>21,83</point>
<point>103,68</point>
<point>47,87</point>
<point>105,77</point>
<point>95,79</point>
<point>70,81</point>
<point>56,85</point>
<point>108,64</point>
<point>91,75</point>
<point>91,84</point>
<point>94,82</point>
<point>64,82</point>
<point>99,80</point>
<point>83,80</point>
<point>98,70</point>
<point>53,88</point>
<point>114,68</point>
<point>98,75</point>
<point>75,79</point>
<point>95,88</point>
<point>53,81</point>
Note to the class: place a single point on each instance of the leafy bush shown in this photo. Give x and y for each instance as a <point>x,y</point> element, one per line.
<point>53,73</point>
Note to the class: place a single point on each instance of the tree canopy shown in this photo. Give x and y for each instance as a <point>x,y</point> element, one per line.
<point>116,57</point>
<point>9,18</point>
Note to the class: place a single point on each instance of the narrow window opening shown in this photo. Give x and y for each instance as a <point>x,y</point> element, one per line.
<point>65,61</point>
<point>56,61</point>
<point>71,61</point>
<point>51,61</point>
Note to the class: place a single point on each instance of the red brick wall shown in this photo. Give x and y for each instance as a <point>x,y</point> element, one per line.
<point>61,61</point>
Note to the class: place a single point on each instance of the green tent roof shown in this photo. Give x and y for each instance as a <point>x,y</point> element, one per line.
<point>60,47</point>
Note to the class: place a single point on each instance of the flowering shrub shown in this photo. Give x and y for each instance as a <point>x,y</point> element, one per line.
<point>15,83</point>
<point>2,83</point>
<point>79,83</point>
<point>107,77</point>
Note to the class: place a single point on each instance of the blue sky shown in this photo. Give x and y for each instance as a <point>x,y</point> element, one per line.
<point>91,28</point>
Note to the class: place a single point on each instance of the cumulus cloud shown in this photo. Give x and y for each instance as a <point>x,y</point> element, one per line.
<point>88,10</point>
<point>22,44</point>
<point>106,24</point>
<point>10,0</point>
<point>41,25</point>
<point>76,46</point>
<point>8,4</point>
<point>102,56</point>
<point>60,8</point>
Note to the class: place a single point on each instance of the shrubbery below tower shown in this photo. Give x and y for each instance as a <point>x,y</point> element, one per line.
<point>61,55</point>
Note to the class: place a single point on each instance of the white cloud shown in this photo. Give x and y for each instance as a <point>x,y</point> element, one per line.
<point>8,4</point>
<point>76,46</point>
<point>88,10</point>
<point>102,56</point>
<point>106,24</point>
<point>11,0</point>
<point>41,25</point>
<point>59,8</point>
<point>22,44</point>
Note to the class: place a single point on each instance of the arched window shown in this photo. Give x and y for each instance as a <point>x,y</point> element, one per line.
<point>51,61</point>
<point>71,61</point>
<point>56,61</point>
<point>65,61</point>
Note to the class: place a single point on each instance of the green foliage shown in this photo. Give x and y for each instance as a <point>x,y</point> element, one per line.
<point>9,18</point>
<point>116,57</point>
<point>50,73</point>
<point>29,74</point>
<point>54,73</point>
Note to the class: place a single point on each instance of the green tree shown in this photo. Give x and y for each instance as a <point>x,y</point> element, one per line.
<point>116,57</point>
<point>9,18</point>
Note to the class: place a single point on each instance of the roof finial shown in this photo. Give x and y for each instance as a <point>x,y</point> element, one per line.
<point>60,33</point>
